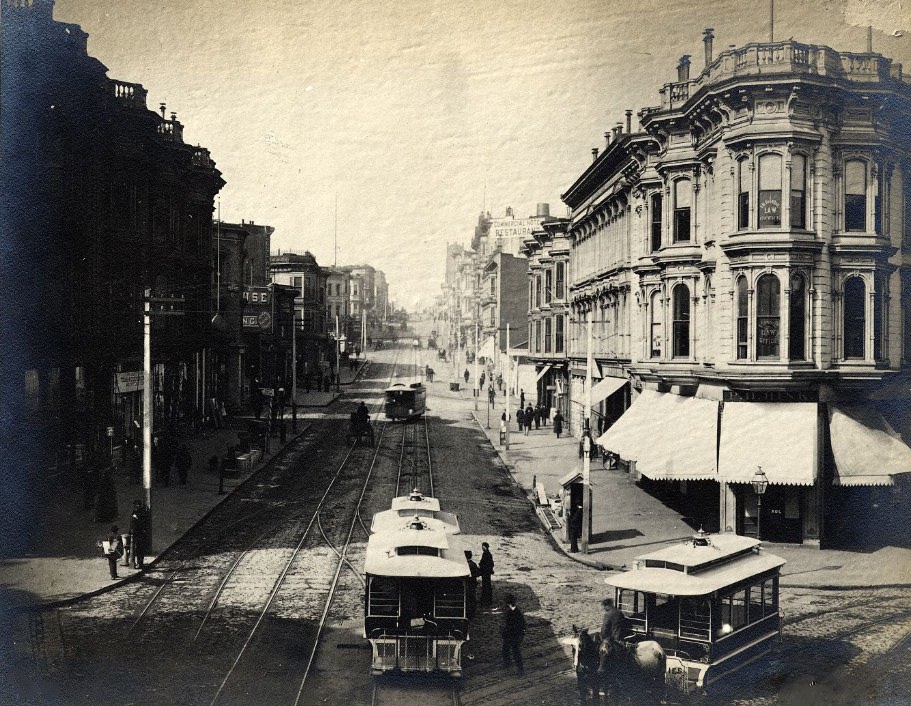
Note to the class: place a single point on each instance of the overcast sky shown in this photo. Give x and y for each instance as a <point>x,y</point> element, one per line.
<point>407,110</point>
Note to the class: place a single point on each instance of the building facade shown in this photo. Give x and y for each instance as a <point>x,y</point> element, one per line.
<point>92,219</point>
<point>744,262</point>
<point>302,273</point>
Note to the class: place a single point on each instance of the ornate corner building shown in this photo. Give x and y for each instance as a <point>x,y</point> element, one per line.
<point>745,262</point>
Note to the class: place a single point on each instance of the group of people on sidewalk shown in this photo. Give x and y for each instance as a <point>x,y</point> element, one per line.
<point>133,546</point>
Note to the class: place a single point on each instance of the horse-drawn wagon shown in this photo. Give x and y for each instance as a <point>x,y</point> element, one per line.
<point>359,429</point>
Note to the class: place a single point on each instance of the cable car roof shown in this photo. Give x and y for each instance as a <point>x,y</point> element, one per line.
<point>389,520</point>
<point>382,557</point>
<point>700,567</point>
<point>414,501</point>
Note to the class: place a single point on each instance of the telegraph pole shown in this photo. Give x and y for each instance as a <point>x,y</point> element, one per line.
<point>147,415</point>
<point>477,387</point>
<point>587,438</point>
<point>508,381</point>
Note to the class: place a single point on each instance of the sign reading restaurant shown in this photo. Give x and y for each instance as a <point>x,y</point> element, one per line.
<point>503,228</point>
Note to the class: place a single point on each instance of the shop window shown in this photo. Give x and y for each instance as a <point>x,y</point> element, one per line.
<point>681,301</point>
<point>797,326</point>
<point>683,193</point>
<point>770,191</point>
<point>743,304</point>
<point>743,195</point>
<point>657,206</point>
<point>656,313</point>
<point>798,191</point>
<point>768,316</point>
<point>558,334</point>
<point>855,195</point>
<point>854,317</point>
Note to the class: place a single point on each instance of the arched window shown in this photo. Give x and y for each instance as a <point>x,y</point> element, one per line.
<point>770,191</point>
<point>743,196</point>
<point>854,317</point>
<point>798,191</point>
<point>797,325</point>
<point>855,195</point>
<point>681,321</point>
<point>742,319</point>
<point>657,205</point>
<point>683,192</point>
<point>768,316</point>
<point>656,312</point>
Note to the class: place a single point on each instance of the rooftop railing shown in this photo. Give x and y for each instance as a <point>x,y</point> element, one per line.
<point>789,57</point>
<point>171,130</point>
<point>131,94</point>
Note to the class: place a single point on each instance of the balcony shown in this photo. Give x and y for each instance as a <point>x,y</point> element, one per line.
<point>783,58</point>
<point>201,157</point>
<point>171,130</point>
<point>132,95</point>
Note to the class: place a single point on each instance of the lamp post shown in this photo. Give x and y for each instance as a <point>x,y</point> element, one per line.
<point>760,483</point>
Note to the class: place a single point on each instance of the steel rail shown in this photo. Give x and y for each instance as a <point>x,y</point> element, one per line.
<point>280,580</point>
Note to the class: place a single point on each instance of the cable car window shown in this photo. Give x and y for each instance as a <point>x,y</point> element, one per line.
<point>422,551</point>
<point>770,596</point>
<point>632,605</point>
<point>757,602</point>
<point>450,599</point>
<point>663,614</point>
<point>383,598</point>
<point>733,612</point>
<point>695,619</point>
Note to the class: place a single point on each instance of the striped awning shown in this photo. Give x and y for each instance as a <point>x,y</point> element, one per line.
<point>867,450</point>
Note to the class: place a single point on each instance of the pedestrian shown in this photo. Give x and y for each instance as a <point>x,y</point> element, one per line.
<point>558,424</point>
<point>472,595</point>
<point>575,528</point>
<point>430,374</point>
<point>513,631</point>
<point>538,413</point>
<point>139,534</point>
<point>257,398</point>
<point>529,419</point>
<point>491,396</point>
<point>112,548</point>
<point>182,462</point>
<point>106,497</point>
<point>503,429</point>
<point>522,399</point>
<point>546,414</point>
<point>465,375</point>
<point>499,382</point>
<point>486,567</point>
<point>614,627</point>
<point>481,381</point>
<point>520,418</point>
<point>357,352</point>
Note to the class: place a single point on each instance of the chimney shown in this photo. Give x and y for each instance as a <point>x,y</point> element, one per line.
<point>629,122</point>
<point>708,34</point>
<point>161,107</point>
<point>594,153</point>
<point>683,68</point>
<point>607,138</point>
<point>618,130</point>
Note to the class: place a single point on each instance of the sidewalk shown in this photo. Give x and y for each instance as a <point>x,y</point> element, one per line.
<point>627,521</point>
<point>70,565</point>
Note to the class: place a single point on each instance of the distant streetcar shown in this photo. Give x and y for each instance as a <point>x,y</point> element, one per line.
<point>415,600</point>
<point>406,401</point>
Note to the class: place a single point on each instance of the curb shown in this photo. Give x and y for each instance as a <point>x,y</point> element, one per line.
<point>593,563</point>
<point>63,603</point>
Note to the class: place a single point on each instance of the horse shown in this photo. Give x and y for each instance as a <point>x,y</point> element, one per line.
<point>635,668</point>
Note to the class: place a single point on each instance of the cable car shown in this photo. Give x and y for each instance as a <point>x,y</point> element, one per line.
<point>415,504</point>
<point>711,603</point>
<point>415,599</point>
<point>406,401</point>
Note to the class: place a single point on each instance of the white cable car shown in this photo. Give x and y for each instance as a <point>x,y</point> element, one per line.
<point>711,603</point>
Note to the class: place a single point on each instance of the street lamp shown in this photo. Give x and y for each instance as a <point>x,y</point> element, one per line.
<point>760,483</point>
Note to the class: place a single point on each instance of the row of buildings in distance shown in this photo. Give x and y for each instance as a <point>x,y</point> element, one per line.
<point>104,201</point>
<point>742,257</point>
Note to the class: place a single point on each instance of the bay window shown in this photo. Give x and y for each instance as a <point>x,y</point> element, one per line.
<point>743,195</point>
<point>768,316</point>
<point>657,205</point>
<point>856,195</point>
<point>797,324</point>
<point>683,193</point>
<point>854,317</point>
<point>742,319</point>
<point>770,191</point>
<point>656,312</point>
<point>798,191</point>
<point>681,322</point>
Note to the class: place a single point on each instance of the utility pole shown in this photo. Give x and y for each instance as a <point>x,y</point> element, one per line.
<point>508,380</point>
<point>587,438</point>
<point>477,387</point>
<point>338,368</point>
<point>147,412</point>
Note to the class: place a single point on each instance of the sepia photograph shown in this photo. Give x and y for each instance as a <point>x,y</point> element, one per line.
<point>467,353</point>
